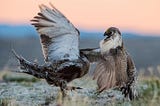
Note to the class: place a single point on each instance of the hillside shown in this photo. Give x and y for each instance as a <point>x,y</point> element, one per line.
<point>145,51</point>
<point>24,39</point>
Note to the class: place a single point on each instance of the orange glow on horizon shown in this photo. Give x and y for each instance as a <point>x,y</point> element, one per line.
<point>136,15</point>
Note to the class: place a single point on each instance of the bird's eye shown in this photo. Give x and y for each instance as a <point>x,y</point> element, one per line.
<point>111,33</point>
<point>108,33</point>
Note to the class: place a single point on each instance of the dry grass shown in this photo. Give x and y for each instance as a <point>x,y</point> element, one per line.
<point>148,86</point>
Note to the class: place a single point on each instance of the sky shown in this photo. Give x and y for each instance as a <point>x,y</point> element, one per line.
<point>132,15</point>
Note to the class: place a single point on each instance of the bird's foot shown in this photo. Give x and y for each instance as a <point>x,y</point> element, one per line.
<point>129,91</point>
<point>125,90</point>
<point>64,88</point>
<point>97,93</point>
<point>73,88</point>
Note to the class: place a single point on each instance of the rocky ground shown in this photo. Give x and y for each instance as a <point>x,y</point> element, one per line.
<point>24,90</point>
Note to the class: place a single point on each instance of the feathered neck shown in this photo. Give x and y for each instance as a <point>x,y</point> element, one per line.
<point>117,50</point>
<point>106,46</point>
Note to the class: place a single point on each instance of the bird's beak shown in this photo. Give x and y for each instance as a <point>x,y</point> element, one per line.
<point>105,34</point>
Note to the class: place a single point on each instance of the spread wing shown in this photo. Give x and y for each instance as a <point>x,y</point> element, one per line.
<point>59,37</point>
<point>105,74</point>
<point>131,69</point>
<point>130,89</point>
<point>93,55</point>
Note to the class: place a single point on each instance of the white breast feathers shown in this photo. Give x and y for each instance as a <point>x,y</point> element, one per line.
<point>110,43</point>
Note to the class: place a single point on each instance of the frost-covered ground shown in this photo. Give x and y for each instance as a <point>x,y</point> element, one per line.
<point>24,90</point>
<point>41,93</point>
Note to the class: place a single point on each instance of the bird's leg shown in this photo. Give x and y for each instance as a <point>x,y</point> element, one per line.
<point>63,86</point>
<point>61,83</point>
<point>72,88</point>
<point>57,82</point>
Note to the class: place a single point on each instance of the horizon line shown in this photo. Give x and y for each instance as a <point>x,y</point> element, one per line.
<point>100,30</point>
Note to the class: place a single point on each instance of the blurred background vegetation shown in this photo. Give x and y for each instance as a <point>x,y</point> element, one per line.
<point>144,49</point>
<point>18,89</point>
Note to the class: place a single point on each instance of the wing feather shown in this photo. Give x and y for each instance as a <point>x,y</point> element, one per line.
<point>59,37</point>
<point>100,66</point>
<point>105,74</point>
<point>102,83</point>
<point>93,55</point>
<point>130,89</point>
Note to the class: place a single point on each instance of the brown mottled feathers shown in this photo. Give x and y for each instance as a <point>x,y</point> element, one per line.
<point>114,71</point>
<point>131,70</point>
<point>93,55</point>
<point>105,74</point>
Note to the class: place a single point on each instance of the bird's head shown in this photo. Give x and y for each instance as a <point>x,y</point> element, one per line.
<point>112,39</point>
<point>112,32</point>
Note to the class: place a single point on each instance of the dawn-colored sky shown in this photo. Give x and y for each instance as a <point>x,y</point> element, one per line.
<point>133,15</point>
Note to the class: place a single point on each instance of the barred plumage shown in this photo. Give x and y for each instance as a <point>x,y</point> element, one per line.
<point>64,61</point>
<point>115,66</point>
<point>60,45</point>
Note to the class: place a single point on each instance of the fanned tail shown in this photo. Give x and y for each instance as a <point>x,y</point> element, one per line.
<point>31,68</point>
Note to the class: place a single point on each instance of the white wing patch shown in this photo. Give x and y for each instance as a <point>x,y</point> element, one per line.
<point>59,37</point>
<point>64,47</point>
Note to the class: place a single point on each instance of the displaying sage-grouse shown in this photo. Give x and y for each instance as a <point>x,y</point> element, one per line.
<point>60,45</point>
<point>115,67</point>
<point>64,61</point>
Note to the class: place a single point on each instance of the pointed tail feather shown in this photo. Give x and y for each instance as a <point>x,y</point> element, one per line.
<point>31,68</point>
